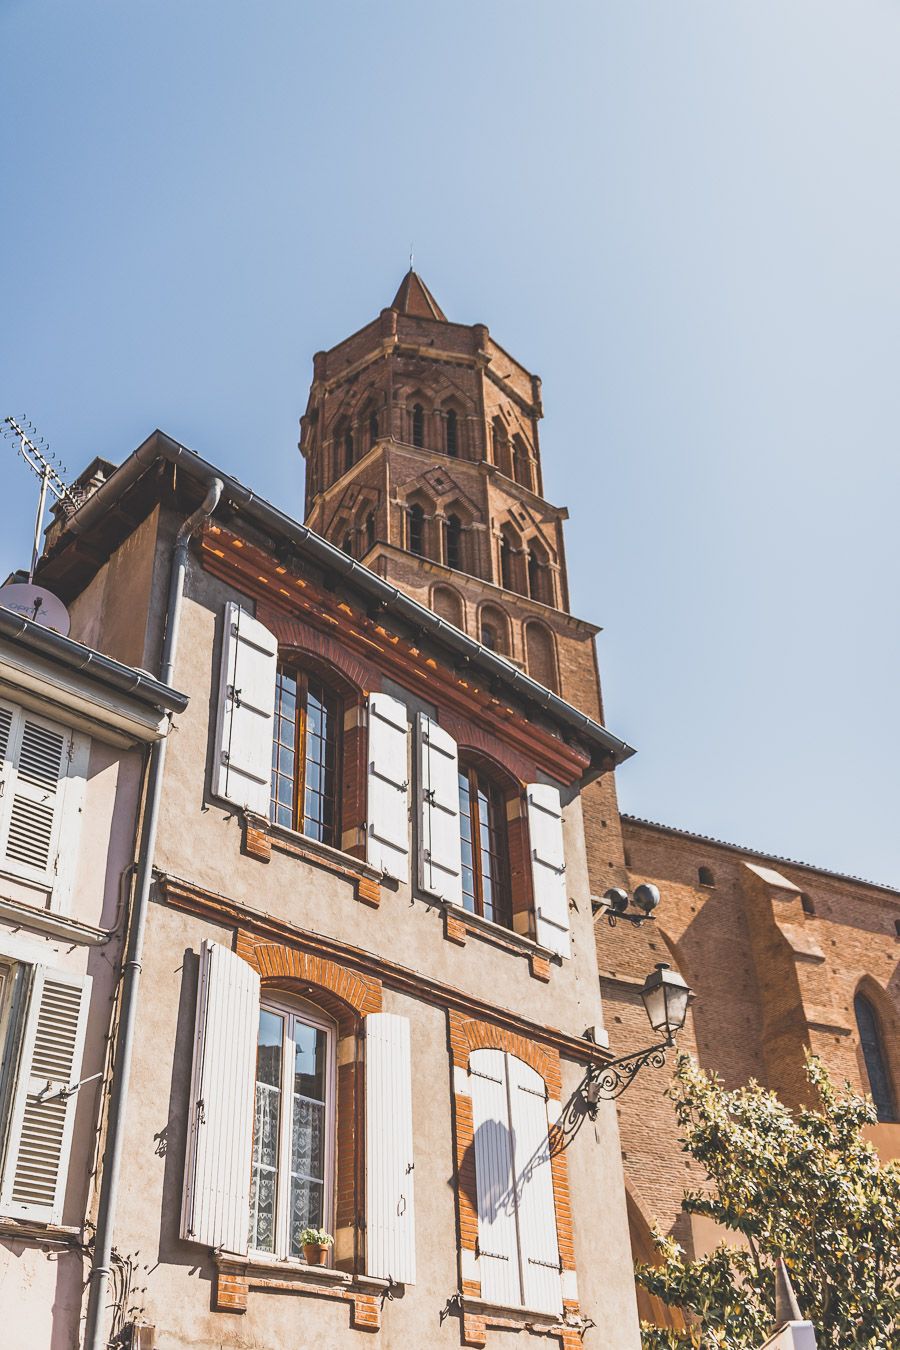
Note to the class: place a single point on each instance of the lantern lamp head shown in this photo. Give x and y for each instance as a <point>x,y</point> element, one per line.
<point>646,897</point>
<point>666,996</point>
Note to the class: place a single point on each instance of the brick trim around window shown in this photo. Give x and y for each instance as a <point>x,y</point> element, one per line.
<point>467,1034</point>
<point>348,997</point>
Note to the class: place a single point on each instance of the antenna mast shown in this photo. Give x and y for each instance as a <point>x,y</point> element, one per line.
<point>38,458</point>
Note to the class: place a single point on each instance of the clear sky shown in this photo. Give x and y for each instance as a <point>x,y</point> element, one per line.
<point>684,216</point>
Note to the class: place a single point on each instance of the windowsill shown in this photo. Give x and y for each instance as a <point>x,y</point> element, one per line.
<point>324,851</point>
<point>511,1311</point>
<point>29,1230</point>
<point>496,933</point>
<point>50,921</point>
<point>292,1268</point>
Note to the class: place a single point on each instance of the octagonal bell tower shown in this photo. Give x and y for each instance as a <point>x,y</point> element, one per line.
<point>422,453</point>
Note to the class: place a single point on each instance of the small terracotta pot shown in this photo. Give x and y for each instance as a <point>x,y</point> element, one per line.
<point>314,1254</point>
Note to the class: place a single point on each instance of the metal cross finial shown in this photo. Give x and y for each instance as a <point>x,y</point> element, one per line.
<point>412,257</point>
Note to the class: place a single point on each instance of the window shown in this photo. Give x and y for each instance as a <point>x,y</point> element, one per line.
<point>43,770</point>
<point>453,542</point>
<point>447,604</point>
<point>506,564</point>
<point>418,425</point>
<point>522,463</point>
<point>373,429</point>
<point>485,853</point>
<point>347,544</point>
<point>305,777</point>
<point>370,530</point>
<point>807,902</point>
<point>292,1165</point>
<point>873,1053</point>
<point>452,437</point>
<point>518,1244</point>
<point>540,655</point>
<point>488,636</point>
<point>348,451</point>
<point>494,629</point>
<point>705,876</point>
<point>43,1012</point>
<point>415,527</point>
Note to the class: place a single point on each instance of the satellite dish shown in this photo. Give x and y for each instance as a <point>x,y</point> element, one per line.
<point>38,604</point>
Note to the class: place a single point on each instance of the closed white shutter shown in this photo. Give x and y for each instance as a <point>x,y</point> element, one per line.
<point>390,1200</point>
<point>440,864</point>
<point>548,867</point>
<point>41,1119</point>
<point>242,771</point>
<point>216,1203</point>
<point>387,845</point>
<point>34,763</point>
<point>498,1251</point>
<point>541,1280</point>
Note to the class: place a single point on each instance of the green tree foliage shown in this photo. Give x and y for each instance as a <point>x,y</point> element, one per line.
<point>803,1184</point>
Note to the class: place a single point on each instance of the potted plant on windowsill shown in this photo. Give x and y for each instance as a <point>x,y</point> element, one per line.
<point>315,1243</point>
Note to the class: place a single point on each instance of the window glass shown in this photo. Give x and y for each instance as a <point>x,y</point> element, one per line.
<point>291,1154</point>
<point>873,1054</point>
<point>483,839</point>
<point>305,793</point>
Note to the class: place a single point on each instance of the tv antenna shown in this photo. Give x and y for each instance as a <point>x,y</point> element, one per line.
<point>42,463</point>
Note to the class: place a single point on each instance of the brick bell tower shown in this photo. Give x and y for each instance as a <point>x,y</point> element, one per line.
<point>422,456</point>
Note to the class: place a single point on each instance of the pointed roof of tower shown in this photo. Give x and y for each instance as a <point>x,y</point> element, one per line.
<point>414,298</point>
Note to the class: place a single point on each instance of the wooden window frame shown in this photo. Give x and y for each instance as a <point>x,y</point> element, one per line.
<point>290,1010</point>
<point>301,676</point>
<point>499,828</point>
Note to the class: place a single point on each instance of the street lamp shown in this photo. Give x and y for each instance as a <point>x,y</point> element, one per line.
<point>665,997</point>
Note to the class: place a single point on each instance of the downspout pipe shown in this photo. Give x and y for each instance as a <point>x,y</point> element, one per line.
<point>94,1333</point>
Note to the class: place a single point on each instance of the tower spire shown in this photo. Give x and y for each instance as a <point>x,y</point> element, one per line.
<point>415,299</point>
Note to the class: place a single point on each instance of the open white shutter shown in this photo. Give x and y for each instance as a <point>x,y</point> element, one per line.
<point>498,1254</point>
<point>34,762</point>
<point>440,865</point>
<point>541,1280</point>
<point>242,771</point>
<point>41,1119</point>
<point>548,867</point>
<point>216,1203</point>
<point>390,1201</point>
<point>387,844</point>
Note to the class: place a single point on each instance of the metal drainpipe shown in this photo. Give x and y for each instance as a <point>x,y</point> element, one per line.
<point>94,1336</point>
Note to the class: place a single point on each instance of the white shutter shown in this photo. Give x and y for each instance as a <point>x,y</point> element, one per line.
<point>216,1203</point>
<point>388,787</point>
<point>498,1256</point>
<point>390,1200</point>
<point>548,867</point>
<point>541,1279</point>
<point>41,1119</point>
<point>242,772</point>
<point>34,763</point>
<point>440,864</point>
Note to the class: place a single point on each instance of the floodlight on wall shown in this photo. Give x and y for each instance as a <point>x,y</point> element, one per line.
<point>637,908</point>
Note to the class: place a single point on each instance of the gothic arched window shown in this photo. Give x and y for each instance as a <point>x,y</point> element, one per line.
<point>370,530</point>
<point>540,656</point>
<point>506,564</point>
<point>418,425</point>
<point>373,429</point>
<point>447,604</point>
<point>347,544</point>
<point>452,436</point>
<point>873,1053</point>
<point>348,451</point>
<point>522,463</point>
<point>453,542</point>
<point>416,530</point>
<point>494,629</point>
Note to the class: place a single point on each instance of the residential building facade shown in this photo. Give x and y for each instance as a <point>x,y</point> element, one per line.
<point>369,963</point>
<point>75,727</point>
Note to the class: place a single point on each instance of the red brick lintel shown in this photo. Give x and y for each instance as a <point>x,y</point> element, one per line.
<point>185,895</point>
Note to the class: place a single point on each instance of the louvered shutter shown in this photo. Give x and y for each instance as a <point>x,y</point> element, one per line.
<point>498,1255</point>
<point>243,767</point>
<point>35,760</point>
<point>390,1199</point>
<point>388,787</point>
<point>216,1203</point>
<point>539,1247</point>
<point>548,867</point>
<point>440,867</point>
<point>41,1120</point>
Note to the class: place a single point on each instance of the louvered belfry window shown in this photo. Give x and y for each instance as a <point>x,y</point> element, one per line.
<point>36,763</point>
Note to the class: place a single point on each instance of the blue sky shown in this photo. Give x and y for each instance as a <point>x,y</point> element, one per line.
<point>685,217</point>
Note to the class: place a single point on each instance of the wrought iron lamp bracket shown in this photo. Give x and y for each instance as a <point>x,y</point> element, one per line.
<point>606,1082</point>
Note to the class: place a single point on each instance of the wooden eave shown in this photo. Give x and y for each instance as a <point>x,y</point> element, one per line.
<point>257,574</point>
